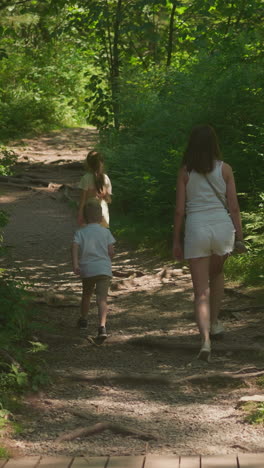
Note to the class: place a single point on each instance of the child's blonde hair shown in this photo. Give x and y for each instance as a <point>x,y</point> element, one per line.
<point>92,212</point>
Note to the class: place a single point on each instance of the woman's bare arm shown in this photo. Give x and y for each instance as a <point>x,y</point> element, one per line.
<point>179,213</point>
<point>232,201</point>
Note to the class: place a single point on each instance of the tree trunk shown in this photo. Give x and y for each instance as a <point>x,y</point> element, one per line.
<point>115,65</point>
<point>171,30</point>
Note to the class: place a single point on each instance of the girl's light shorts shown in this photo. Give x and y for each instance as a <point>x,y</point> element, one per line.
<point>207,239</point>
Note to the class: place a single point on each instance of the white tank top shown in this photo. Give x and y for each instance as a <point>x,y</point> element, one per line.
<point>199,194</point>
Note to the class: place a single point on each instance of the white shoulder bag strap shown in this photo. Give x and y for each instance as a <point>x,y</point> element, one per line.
<point>217,193</point>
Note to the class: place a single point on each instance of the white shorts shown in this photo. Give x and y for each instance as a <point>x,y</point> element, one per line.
<point>207,238</point>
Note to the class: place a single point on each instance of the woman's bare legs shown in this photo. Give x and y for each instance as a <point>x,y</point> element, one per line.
<point>200,277</point>
<point>216,278</point>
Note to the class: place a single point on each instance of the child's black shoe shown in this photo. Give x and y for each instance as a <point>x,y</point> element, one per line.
<point>82,323</point>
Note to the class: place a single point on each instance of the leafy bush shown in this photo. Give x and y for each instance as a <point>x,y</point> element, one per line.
<point>249,268</point>
<point>255,412</point>
<point>4,453</point>
<point>17,325</point>
<point>8,158</point>
<point>158,109</point>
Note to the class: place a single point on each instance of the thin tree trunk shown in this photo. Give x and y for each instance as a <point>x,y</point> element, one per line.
<point>115,64</point>
<point>240,16</point>
<point>229,20</point>
<point>171,30</point>
<point>108,48</point>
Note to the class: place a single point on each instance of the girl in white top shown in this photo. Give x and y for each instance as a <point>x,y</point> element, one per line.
<point>95,185</point>
<point>209,229</point>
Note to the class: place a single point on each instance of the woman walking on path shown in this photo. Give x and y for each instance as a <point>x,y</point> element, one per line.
<point>204,184</point>
<point>95,185</point>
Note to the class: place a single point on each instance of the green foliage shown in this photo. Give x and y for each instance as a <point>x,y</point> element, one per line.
<point>3,219</point>
<point>3,413</point>
<point>8,158</point>
<point>3,222</point>
<point>20,377</point>
<point>98,102</point>
<point>17,324</point>
<point>256,412</point>
<point>37,374</point>
<point>6,381</point>
<point>249,268</point>
<point>157,110</point>
<point>9,401</point>
<point>41,74</point>
<point>260,381</point>
<point>16,315</point>
<point>4,453</point>
<point>7,424</point>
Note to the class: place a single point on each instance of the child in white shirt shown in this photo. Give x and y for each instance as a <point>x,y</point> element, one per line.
<point>92,250</point>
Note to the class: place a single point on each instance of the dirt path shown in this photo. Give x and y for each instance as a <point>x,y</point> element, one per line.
<point>142,377</point>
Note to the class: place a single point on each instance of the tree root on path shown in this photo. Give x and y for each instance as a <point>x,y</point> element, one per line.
<point>234,292</point>
<point>172,344</point>
<point>103,426</point>
<point>152,379</point>
<point>243,309</point>
<point>225,376</point>
<point>25,181</point>
<point>128,273</point>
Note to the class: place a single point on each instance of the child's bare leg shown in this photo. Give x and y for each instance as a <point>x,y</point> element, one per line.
<point>87,291</point>
<point>85,304</point>
<point>102,310</point>
<point>102,287</point>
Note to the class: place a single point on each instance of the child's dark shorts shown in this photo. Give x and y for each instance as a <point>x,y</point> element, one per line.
<point>101,282</point>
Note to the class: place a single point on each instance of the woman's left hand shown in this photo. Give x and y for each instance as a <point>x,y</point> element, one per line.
<point>177,251</point>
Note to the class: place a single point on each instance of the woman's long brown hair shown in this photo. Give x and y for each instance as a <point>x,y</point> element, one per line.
<point>202,150</point>
<point>95,164</point>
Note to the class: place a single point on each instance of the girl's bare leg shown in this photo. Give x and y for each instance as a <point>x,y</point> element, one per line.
<point>200,277</point>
